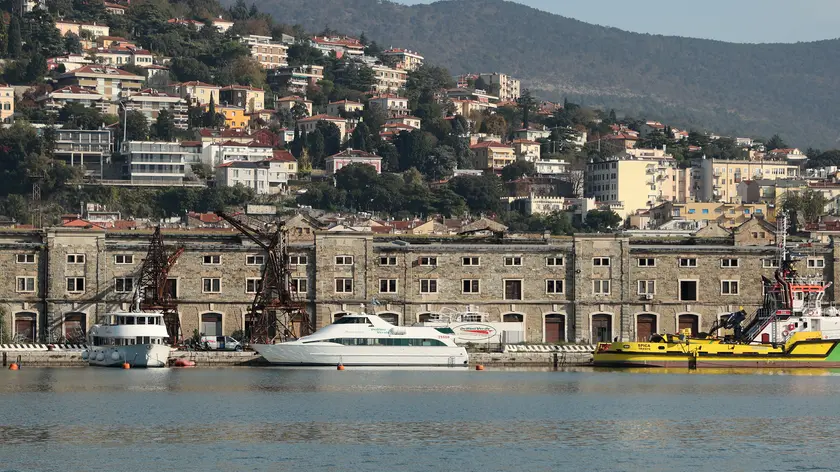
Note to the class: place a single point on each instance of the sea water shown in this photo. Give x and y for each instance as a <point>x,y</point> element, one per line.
<point>90,419</point>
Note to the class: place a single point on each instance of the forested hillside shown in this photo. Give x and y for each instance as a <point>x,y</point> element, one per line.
<point>743,89</point>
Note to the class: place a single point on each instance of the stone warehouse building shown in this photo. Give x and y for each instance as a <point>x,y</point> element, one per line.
<point>586,288</point>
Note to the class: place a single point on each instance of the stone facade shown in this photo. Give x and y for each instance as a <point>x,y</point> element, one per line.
<point>598,286</point>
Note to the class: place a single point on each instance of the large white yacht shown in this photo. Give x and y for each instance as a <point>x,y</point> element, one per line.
<point>134,338</point>
<point>368,340</point>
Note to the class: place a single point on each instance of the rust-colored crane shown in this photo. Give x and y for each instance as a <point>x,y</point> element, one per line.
<point>154,288</point>
<point>275,312</point>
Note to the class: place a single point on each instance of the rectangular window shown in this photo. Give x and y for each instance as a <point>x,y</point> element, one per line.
<point>770,263</point>
<point>297,259</point>
<point>299,285</point>
<point>212,259</point>
<point>513,290</point>
<point>647,262</point>
<point>470,286</point>
<point>729,287</point>
<point>254,259</point>
<point>124,285</point>
<point>601,287</point>
<point>647,287</point>
<point>470,261</point>
<point>25,284</point>
<point>124,259</point>
<point>75,258</point>
<point>554,286</point>
<point>729,262</point>
<point>343,260</point>
<point>688,290</point>
<point>816,262</point>
<point>428,261</point>
<point>388,261</point>
<point>25,258</point>
<point>75,284</point>
<point>688,262</point>
<point>428,286</point>
<point>513,260</point>
<point>211,285</point>
<point>554,261</point>
<point>601,262</point>
<point>253,285</point>
<point>343,285</point>
<point>387,285</point>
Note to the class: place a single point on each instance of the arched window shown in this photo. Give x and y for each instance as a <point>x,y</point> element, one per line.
<point>75,327</point>
<point>393,318</point>
<point>338,316</point>
<point>689,321</point>
<point>425,317</point>
<point>513,317</point>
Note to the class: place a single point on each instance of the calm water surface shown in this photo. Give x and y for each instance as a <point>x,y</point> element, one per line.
<point>273,419</point>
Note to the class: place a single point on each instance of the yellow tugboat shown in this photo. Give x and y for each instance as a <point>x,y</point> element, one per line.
<point>790,330</point>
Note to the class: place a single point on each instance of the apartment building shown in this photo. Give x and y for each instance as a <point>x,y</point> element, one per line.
<point>340,45</point>
<point>54,101</point>
<point>151,102</point>
<point>7,103</point>
<point>88,150</point>
<point>269,176</point>
<point>352,156</point>
<point>266,51</point>
<point>716,180</point>
<point>250,98</point>
<point>160,162</point>
<point>508,86</point>
<point>308,124</point>
<point>585,288</point>
<point>393,105</point>
<point>107,81</point>
<point>726,215</point>
<point>296,79</point>
<point>404,59</point>
<point>227,151</point>
<point>493,155</point>
<point>388,80</point>
<point>636,179</point>
<point>288,103</point>
<point>197,93</point>
<point>344,106</point>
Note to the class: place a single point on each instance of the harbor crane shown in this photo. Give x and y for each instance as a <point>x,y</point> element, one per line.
<point>154,290</point>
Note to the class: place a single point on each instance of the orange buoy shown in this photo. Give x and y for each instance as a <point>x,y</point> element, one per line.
<point>126,365</point>
<point>479,367</point>
<point>14,366</point>
<point>340,367</point>
<point>184,363</point>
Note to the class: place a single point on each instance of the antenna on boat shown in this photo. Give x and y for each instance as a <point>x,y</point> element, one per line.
<point>781,238</point>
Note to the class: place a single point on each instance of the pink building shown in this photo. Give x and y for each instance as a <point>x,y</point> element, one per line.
<point>352,156</point>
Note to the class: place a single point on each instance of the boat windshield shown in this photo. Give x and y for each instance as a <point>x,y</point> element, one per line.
<point>352,320</point>
<point>445,330</point>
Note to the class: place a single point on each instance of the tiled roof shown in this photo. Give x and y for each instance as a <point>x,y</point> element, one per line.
<point>242,87</point>
<point>101,70</point>
<point>195,83</point>
<point>322,117</point>
<point>488,144</point>
<point>355,153</point>
<point>282,155</point>
<point>76,89</point>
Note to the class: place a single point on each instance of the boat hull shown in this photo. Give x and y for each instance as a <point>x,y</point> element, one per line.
<point>139,355</point>
<point>288,354</point>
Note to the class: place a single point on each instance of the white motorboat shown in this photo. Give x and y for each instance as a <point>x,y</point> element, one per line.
<point>368,340</point>
<point>137,339</point>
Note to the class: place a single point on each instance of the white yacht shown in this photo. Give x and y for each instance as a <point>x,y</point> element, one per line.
<point>134,338</point>
<point>368,340</point>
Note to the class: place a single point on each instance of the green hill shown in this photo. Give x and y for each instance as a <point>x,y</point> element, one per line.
<point>739,89</point>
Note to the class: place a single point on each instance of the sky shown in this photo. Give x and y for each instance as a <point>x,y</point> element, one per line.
<point>741,21</point>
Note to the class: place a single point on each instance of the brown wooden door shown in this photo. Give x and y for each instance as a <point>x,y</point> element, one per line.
<point>555,328</point>
<point>645,327</point>
<point>690,322</point>
<point>25,329</point>
<point>601,328</point>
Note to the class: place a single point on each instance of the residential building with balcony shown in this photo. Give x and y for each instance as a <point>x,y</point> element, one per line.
<point>288,103</point>
<point>388,80</point>
<point>197,93</point>
<point>266,51</point>
<point>70,62</point>
<point>309,124</point>
<point>234,116</point>
<point>340,45</point>
<point>88,150</point>
<point>297,78</point>
<point>159,161</point>
<point>249,98</point>
<point>151,102</point>
<point>54,101</point>
<point>493,155</point>
<point>7,103</point>
<point>75,27</point>
<point>335,162</point>
<point>726,215</point>
<point>792,155</point>
<point>407,120</point>
<point>526,150</point>
<point>551,166</point>
<point>508,86</point>
<point>269,176</point>
<point>404,59</point>
<point>716,180</point>
<point>393,105</point>
<point>118,55</point>
<point>110,82</point>
<point>344,107</point>
<point>219,153</point>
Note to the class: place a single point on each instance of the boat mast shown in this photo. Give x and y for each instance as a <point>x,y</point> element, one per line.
<point>781,238</point>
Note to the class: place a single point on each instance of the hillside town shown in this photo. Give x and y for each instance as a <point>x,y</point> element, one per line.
<point>355,146</point>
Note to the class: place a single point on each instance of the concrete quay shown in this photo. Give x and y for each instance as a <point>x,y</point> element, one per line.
<point>252,359</point>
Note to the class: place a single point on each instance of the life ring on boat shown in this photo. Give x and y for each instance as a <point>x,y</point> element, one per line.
<point>791,327</point>
<point>785,334</point>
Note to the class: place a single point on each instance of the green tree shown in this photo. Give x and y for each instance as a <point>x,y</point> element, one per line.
<point>775,142</point>
<point>137,126</point>
<point>360,138</point>
<point>315,148</point>
<point>439,164</point>
<point>414,147</point>
<point>527,104</point>
<point>15,42</point>
<point>517,170</point>
<point>602,220</point>
<point>164,127</point>
<point>186,69</point>
<point>36,68</point>
<point>331,135</point>
<point>495,124</point>
<point>72,44</point>
<point>807,206</point>
<point>482,194</point>
<point>4,40</point>
<point>78,116</point>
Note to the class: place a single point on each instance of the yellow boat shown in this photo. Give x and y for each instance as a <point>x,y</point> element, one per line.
<point>801,349</point>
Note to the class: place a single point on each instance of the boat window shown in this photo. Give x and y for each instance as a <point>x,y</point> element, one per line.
<point>139,340</point>
<point>129,320</point>
<point>445,330</point>
<point>141,320</point>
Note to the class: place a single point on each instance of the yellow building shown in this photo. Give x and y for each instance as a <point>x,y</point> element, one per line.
<point>198,93</point>
<point>7,103</point>
<point>234,116</point>
<point>493,155</point>
<point>404,59</point>
<point>107,81</point>
<point>637,179</point>
<point>250,98</point>
<point>287,103</point>
<point>727,215</point>
<point>717,180</point>
<point>308,125</point>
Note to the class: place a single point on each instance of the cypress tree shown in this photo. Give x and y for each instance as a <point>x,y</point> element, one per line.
<point>15,46</point>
